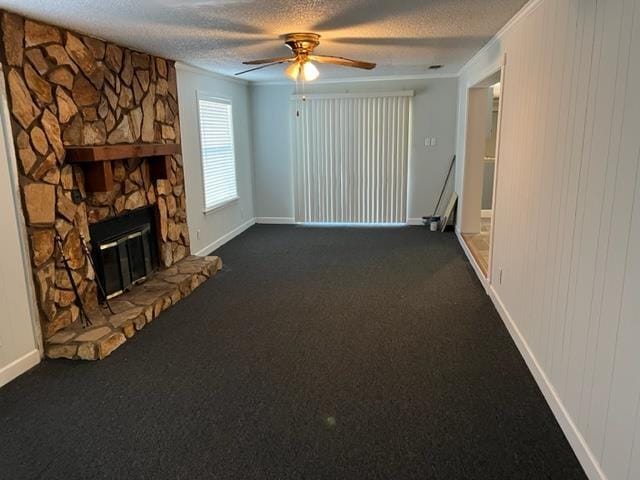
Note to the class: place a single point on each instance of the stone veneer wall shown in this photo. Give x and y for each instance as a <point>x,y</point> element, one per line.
<point>69,89</point>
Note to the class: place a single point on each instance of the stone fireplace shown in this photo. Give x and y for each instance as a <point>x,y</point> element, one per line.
<point>124,250</point>
<point>97,134</point>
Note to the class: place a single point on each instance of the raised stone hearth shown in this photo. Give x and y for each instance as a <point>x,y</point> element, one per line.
<point>133,311</point>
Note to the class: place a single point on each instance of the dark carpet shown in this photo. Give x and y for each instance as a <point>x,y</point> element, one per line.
<point>317,353</point>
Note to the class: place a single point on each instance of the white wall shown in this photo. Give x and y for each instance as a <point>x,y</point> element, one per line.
<point>18,344</point>
<point>567,215</point>
<point>434,115</point>
<point>209,231</point>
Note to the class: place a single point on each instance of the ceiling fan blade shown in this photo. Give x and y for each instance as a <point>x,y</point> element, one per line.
<point>269,60</point>
<point>345,62</point>
<point>261,67</point>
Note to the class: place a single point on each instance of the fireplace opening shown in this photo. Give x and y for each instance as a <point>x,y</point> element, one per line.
<point>125,250</point>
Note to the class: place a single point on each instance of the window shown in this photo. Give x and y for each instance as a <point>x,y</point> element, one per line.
<point>218,157</point>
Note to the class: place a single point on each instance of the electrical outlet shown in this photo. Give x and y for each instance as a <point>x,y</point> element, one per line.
<point>198,234</point>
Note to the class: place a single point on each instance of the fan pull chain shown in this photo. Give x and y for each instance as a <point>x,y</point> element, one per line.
<point>298,100</point>
<point>303,95</point>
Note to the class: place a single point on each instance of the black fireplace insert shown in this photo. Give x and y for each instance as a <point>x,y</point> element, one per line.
<point>125,250</point>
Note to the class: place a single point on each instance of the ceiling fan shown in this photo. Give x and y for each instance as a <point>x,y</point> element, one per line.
<point>302,67</point>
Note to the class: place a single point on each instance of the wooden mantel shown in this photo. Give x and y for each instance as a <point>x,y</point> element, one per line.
<point>96,161</point>
<point>105,153</point>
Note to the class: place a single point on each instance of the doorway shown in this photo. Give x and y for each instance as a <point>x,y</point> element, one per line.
<point>483,123</point>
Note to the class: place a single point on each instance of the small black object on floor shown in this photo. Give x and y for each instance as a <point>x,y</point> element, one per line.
<point>317,353</point>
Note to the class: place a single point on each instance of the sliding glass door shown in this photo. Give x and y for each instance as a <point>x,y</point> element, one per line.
<point>350,158</point>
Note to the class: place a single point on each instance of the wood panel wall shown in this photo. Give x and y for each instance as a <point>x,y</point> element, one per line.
<point>567,215</point>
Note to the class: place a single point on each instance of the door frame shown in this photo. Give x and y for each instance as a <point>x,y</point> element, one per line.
<point>8,155</point>
<point>470,133</point>
<point>494,195</point>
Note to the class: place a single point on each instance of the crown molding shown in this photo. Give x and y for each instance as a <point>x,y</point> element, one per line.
<point>185,67</point>
<point>525,11</point>
<point>380,78</point>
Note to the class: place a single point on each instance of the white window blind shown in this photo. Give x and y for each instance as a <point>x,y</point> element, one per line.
<point>350,158</point>
<point>218,157</point>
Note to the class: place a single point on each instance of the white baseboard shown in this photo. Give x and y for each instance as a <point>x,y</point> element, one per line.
<point>276,220</point>
<point>415,221</point>
<point>576,440</point>
<point>579,445</point>
<point>19,366</point>
<point>292,221</point>
<point>225,238</point>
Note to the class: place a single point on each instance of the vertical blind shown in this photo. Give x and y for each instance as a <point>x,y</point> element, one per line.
<point>218,158</point>
<point>350,158</point>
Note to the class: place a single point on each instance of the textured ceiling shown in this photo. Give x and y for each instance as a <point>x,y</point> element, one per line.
<point>403,36</point>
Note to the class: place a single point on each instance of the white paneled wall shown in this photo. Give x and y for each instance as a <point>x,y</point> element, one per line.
<point>567,215</point>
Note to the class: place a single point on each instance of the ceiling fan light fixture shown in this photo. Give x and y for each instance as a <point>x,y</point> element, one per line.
<point>303,70</point>
<point>302,46</point>
<point>309,72</point>
<point>293,71</point>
